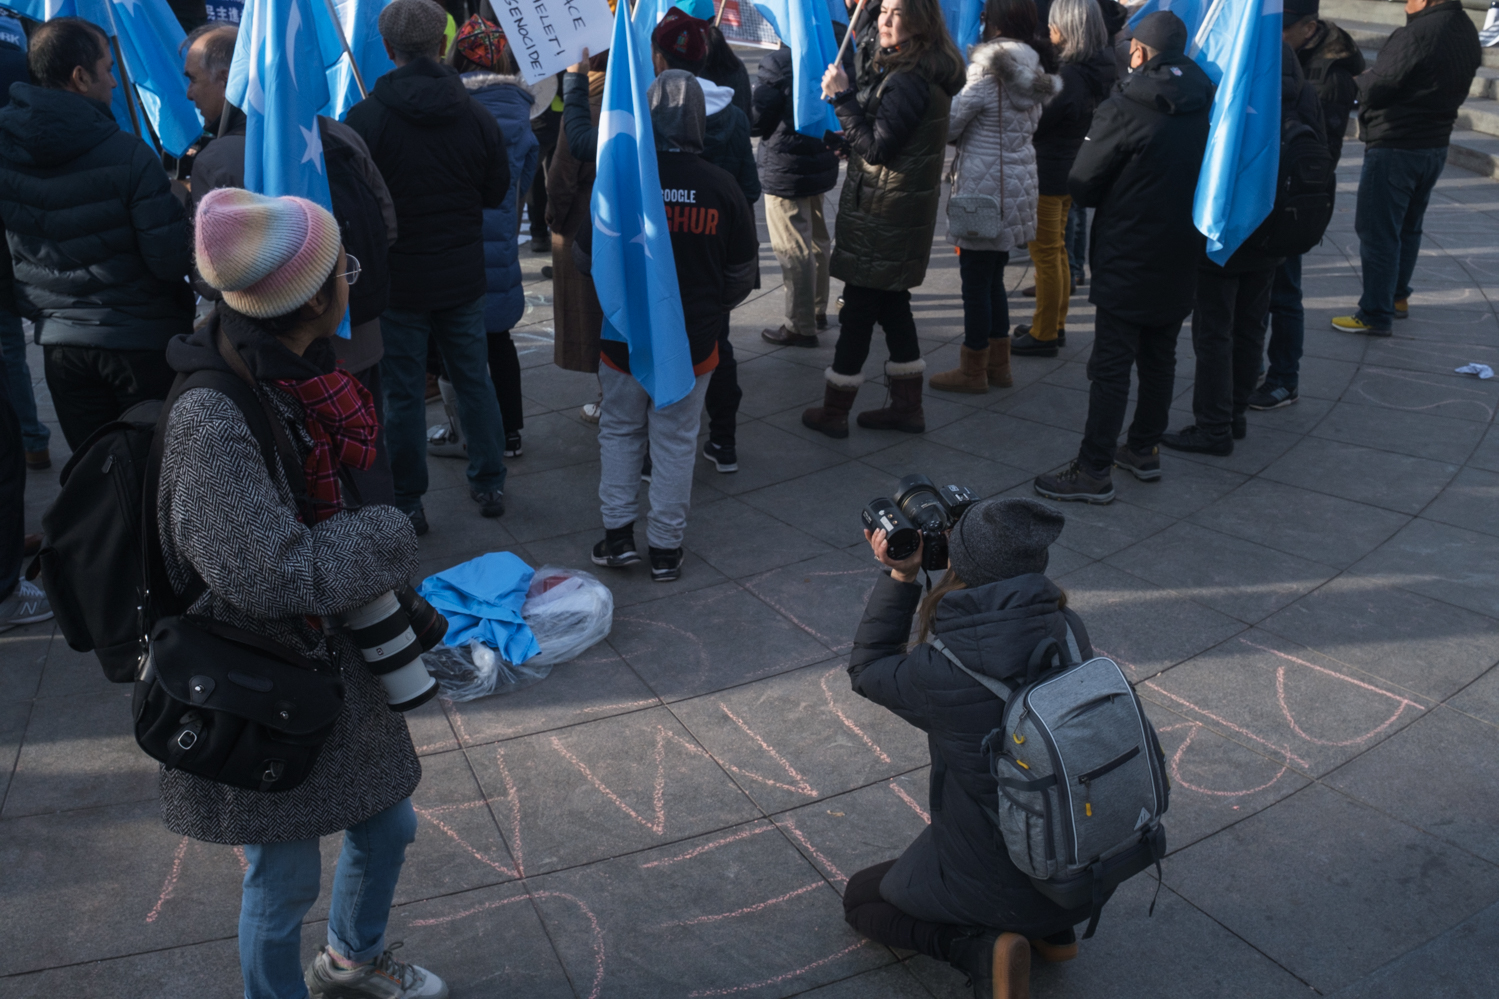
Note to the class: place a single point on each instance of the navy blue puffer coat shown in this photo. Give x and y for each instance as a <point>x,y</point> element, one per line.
<point>510,101</point>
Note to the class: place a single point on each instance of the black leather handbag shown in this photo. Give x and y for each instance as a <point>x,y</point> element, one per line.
<point>216,701</point>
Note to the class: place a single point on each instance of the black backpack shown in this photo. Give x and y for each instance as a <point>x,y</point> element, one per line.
<point>1303,194</point>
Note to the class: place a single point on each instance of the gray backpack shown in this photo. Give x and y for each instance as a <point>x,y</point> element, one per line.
<point>1082,779</point>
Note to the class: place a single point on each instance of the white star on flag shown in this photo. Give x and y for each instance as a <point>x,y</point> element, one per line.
<point>314,145</point>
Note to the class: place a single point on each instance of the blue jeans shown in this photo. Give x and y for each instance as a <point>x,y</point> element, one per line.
<point>464,346</point>
<point>1077,240</point>
<point>1393,192</point>
<point>1287,326</point>
<point>986,303</point>
<point>282,883</point>
<point>34,433</point>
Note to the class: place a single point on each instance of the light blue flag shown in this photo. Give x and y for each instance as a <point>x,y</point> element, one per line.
<point>1238,45</point>
<point>359,20</point>
<point>807,27</point>
<point>150,37</point>
<point>634,271</point>
<point>837,11</point>
<point>279,81</point>
<point>963,22</point>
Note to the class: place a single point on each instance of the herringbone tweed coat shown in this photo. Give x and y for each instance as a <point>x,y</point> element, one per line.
<point>223,515</point>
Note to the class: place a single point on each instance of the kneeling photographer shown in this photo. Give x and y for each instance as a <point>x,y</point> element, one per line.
<point>954,894</point>
<point>270,559</point>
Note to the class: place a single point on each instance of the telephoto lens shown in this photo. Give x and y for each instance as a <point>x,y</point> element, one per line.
<point>392,651</point>
<point>428,625</point>
<point>902,539</point>
<point>921,504</point>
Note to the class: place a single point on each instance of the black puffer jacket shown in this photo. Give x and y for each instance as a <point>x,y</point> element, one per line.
<point>896,129</point>
<point>98,244</point>
<point>957,871</point>
<point>792,165</point>
<point>1065,122</point>
<point>1139,168</point>
<point>1331,61</point>
<point>444,161</point>
<point>1411,95</point>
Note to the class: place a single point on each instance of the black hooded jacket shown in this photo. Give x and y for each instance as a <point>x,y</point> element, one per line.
<point>1411,94</point>
<point>1138,167</point>
<point>1332,62</point>
<point>1067,117</point>
<point>444,161</point>
<point>99,247</point>
<point>792,165</point>
<point>958,870</point>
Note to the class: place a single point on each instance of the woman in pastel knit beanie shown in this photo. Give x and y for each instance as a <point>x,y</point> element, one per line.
<point>277,558</point>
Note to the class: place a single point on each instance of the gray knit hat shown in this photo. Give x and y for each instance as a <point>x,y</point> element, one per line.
<point>412,25</point>
<point>1002,538</point>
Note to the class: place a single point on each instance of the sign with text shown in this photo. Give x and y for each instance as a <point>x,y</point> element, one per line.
<point>546,36</point>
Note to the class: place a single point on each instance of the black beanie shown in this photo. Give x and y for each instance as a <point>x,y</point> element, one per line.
<point>1002,538</point>
<point>1162,31</point>
<point>1294,11</point>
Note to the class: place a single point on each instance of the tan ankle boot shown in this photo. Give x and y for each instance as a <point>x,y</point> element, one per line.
<point>831,417</point>
<point>999,362</point>
<point>903,410</point>
<point>968,376</point>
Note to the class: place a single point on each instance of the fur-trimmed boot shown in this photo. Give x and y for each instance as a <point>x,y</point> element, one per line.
<point>999,362</point>
<point>831,417</point>
<point>968,376</point>
<point>903,410</point>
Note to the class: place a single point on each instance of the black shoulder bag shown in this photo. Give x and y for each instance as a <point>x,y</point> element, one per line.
<point>213,700</point>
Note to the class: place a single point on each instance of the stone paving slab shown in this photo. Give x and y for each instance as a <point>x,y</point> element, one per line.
<point>1312,624</point>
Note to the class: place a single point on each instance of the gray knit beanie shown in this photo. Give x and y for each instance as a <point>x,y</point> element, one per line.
<point>413,25</point>
<point>1002,538</point>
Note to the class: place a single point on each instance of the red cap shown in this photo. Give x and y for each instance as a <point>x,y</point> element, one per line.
<point>683,35</point>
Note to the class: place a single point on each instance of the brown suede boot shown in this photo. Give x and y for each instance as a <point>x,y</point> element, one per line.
<point>999,362</point>
<point>903,411</point>
<point>968,376</point>
<point>831,417</point>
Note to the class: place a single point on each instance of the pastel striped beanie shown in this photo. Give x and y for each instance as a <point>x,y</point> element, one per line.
<point>267,256</point>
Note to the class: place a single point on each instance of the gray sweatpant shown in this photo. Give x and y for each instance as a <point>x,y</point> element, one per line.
<point>628,422</point>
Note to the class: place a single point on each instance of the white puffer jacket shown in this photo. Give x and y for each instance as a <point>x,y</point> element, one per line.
<point>991,123</point>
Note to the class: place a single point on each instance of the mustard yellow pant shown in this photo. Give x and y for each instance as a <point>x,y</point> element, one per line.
<point>1053,275</point>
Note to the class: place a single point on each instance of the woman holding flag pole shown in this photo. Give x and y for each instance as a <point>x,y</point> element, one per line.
<point>894,118</point>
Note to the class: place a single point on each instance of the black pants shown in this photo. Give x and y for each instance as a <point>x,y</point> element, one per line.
<point>12,491</point>
<point>91,386</point>
<point>862,308</point>
<point>867,912</point>
<point>504,371</point>
<point>1228,334</point>
<point>1119,345</point>
<point>375,484</point>
<point>724,393</point>
<point>986,303</point>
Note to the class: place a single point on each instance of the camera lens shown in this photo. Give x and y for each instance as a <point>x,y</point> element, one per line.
<point>428,625</point>
<point>392,652</point>
<point>901,536</point>
<point>919,501</point>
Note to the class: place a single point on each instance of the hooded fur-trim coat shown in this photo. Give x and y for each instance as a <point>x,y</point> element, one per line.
<point>992,122</point>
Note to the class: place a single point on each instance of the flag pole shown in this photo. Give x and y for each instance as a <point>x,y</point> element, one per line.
<point>114,41</point>
<point>338,26</point>
<point>848,35</point>
<point>718,18</point>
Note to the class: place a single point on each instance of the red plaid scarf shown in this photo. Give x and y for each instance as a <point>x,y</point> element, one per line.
<point>341,422</point>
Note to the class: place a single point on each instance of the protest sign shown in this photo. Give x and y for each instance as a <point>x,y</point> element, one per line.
<point>546,36</point>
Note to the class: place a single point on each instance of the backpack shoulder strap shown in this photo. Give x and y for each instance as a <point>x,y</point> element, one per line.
<point>998,688</point>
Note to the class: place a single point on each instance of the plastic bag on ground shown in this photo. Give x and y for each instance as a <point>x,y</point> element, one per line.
<point>466,672</point>
<point>569,611</point>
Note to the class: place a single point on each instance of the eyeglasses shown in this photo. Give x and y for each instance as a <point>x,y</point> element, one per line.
<point>352,274</point>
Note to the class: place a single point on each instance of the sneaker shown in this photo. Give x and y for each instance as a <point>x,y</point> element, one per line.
<point>1195,440</point>
<point>1075,483</point>
<point>617,549</point>
<point>722,455</point>
<point>645,469</point>
<point>998,965</point>
<point>1272,397</point>
<point>382,978</point>
<point>27,604</point>
<point>418,520</point>
<point>1353,324</point>
<point>491,504</point>
<point>513,447</point>
<point>1143,465</point>
<point>1402,308</point>
<point>590,412</point>
<point>666,564</point>
<point>443,443</point>
<point>1022,344</point>
<point>1057,948</point>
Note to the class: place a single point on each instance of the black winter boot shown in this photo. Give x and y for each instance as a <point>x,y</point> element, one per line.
<point>998,965</point>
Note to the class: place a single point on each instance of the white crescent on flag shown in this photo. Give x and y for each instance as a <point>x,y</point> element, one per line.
<point>612,123</point>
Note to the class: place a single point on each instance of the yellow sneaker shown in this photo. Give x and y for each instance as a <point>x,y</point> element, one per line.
<point>1353,324</point>
<point>1402,308</point>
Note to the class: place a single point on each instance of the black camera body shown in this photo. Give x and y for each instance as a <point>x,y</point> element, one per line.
<point>921,513</point>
